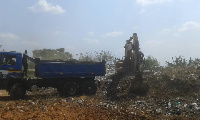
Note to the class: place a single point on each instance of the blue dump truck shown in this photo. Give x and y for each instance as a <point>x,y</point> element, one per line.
<point>69,77</point>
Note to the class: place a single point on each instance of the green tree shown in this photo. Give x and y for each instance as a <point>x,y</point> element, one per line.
<point>86,57</point>
<point>177,61</point>
<point>96,56</point>
<point>52,54</point>
<point>151,63</point>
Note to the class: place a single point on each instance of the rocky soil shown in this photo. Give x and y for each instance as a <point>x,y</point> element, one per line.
<point>174,94</point>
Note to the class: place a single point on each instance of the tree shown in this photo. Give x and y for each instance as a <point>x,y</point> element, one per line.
<point>86,57</point>
<point>177,61</point>
<point>151,63</point>
<point>96,56</point>
<point>52,54</point>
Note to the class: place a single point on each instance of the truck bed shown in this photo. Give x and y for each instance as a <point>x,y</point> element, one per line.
<point>62,69</point>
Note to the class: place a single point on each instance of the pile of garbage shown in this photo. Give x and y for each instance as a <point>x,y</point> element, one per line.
<point>174,91</point>
<point>174,94</point>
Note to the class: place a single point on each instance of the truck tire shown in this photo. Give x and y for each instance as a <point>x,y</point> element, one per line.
<point>70,89</point>
<point>89,88</point>
<point>17,91</point>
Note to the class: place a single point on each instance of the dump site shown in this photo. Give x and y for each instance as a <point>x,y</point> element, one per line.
<point>173,94</point>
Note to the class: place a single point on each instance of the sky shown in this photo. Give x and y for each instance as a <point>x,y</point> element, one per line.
<point>165,28</point>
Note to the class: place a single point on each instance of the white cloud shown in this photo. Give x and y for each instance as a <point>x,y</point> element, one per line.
<point>179,30</point>
<point>191,25</point>
<point>145,3</point>
<point>8,37</point>
<point>12,42</point>
<point>90,33</point>
<point>44,6</point>
<point>151,2</point>
<point>112,34</point>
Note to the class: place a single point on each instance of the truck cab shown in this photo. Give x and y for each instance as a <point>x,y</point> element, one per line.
<point>10,66</point>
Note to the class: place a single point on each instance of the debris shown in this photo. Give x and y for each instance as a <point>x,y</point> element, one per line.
<point>173,94</point>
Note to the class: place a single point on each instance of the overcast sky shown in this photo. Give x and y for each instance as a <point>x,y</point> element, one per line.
<point>166,28</point>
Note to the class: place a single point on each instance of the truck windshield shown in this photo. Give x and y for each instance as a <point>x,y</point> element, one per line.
<point>8,59</point>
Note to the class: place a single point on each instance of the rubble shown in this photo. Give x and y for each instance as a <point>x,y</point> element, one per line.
<point>174,94</point>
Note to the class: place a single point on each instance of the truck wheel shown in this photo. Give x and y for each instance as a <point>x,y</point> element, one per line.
<point>89,88</point>
<point>17,91</point>
<point>70,89</point>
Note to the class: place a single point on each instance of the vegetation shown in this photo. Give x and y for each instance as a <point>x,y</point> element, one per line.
<point>52,54</point>
<point>151,63</point>
<point>60,54</point>
<point>182,62</point>
<point>179,65</point>
<point>96,56</point>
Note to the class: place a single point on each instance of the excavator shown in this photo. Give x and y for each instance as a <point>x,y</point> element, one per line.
<point>129,68</point>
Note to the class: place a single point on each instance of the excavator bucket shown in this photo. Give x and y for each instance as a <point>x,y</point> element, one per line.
<point>138,87</point>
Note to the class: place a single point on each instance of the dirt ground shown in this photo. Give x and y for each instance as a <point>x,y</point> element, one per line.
<point>47,107</point>
<point>173,95</point>
<point>52,107</point>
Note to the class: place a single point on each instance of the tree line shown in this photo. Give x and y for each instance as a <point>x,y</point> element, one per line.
<point>150,62</point>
